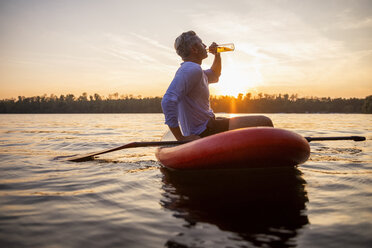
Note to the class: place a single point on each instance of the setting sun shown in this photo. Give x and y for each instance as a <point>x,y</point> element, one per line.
<point>237,78</point>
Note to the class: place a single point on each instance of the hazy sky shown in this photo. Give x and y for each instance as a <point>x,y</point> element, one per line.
<point>313,48</point>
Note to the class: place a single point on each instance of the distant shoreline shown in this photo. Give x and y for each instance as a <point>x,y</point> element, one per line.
<point>261,103</point>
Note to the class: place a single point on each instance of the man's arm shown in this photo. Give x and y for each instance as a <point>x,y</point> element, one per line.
<point>169,106</point>
<point>217,65</point>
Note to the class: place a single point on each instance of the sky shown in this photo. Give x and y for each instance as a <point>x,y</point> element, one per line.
<point>310,48</point>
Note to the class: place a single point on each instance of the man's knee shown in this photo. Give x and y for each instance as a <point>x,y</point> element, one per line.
<point>250,121</point>
<point>266,121</point>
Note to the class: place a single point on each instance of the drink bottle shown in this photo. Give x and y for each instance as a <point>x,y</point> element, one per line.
<point>229,47</point>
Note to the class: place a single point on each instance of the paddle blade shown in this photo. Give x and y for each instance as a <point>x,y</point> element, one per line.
<point>354,138</point>
<point>359,138</point>
<point>80,158</point>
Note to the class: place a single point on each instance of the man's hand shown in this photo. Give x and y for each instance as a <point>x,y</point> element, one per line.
<point>213,48</point>
<point>178,135</point>
<point>190,137</point>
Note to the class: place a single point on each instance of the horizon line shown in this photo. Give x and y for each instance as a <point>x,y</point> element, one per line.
<point>117,96</point>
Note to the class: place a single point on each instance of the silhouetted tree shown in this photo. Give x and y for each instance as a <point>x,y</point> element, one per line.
<point>367,106</point>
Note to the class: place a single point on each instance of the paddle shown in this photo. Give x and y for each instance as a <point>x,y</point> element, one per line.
<point>90,156</point>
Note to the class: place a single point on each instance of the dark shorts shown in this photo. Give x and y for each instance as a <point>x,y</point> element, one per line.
<point>216,125</point>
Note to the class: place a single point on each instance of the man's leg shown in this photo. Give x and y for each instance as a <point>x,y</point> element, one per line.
<point>250,121</point>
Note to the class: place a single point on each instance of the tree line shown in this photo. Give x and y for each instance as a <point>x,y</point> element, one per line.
<point>248,103</point>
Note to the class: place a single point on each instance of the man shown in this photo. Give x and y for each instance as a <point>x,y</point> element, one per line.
<point>186,102</point>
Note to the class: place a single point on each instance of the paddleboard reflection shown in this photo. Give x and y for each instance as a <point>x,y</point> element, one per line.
<point>264,207</point>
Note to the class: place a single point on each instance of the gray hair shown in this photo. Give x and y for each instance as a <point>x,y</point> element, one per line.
<point>184,42</point>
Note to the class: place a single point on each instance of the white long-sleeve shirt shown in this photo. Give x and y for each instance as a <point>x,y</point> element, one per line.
<point>186,102</point>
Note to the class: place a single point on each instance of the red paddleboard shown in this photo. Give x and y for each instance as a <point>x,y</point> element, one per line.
<point>254,147</point>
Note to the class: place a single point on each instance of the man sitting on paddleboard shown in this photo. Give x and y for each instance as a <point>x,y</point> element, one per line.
<point>186,102</point>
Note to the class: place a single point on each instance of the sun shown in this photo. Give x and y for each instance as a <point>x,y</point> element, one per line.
<point>237,79</point>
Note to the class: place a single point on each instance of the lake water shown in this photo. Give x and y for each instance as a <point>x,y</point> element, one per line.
<point>125,198</point>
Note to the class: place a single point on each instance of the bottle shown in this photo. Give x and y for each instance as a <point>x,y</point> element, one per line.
<point>228,47</point>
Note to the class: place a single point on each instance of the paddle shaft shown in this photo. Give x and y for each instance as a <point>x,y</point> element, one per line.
<point>90,156</point>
